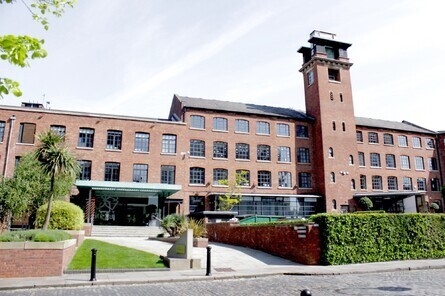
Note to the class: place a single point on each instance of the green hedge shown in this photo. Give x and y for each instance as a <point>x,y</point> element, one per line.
<point>349,238</point>
<point>35,236</point>
<point>64,215</point>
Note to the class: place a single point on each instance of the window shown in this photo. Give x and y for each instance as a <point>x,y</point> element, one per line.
<point>407,183</point>
<point>26,133</point>
<point>421,184</point>
<point>331,95</point>
<point>390,161</point>
<point>302,131</point>
<point>334,75</point>
<point>404,162</point>
<point>141,142</point>
<point>377,183</point>
<point>310,77</point>
<point>2,130</point>
<point>419,163</point>
<point>432,164</point>
<point>435,184</point>
<point>284,179</point>
<point>263,152</point>
<point>242,151</point>
<point>112,171</point>
<point>363,182</point>
<point>283,130</point>
<point>388,139</point>
<point>417,143</point>
<point>303,155</point>
<point>220,124</point>
<point>332,179</point>
<point>352,184</point>
<point>58,130</point>
<point>361,159</point>
<point>244,177</point>
<point>430,144</point>
<point>114,140</point>
<point>304,180</point>
<point>197,121</point>
<point>403,141</point>
<point>284,154</point>
<point>341,97</point>
<point>220,150</point>
<point>343,126</point>
<point>334,126</point>
<point>373,138</point>
<point>375,160</point>
<point>168,174</point>
<point>197,148</point>
<point>359,135</point>
<point>351,160</point>
<point>140,173</point>
<point>220,177</point>
<point>168,143</point>
<point>392,183</point>
<point>86,137</point>
<point>264,179</point>
<point>263,128</point>
<point>85,169</point>
<point>197,176</point>
<point>331,152</point>
<point>330,53</point>
<point>241,126</point>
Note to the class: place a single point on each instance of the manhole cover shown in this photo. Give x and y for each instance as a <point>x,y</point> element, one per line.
<point>224,269</point>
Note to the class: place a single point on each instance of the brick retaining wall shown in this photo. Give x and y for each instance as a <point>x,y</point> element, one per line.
<point>279,240</point>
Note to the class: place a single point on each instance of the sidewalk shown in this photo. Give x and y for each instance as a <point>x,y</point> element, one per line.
<point>228,262</point>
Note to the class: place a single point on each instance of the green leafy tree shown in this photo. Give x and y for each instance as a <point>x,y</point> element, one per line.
<point>18,50</point>
<point>56,161</point>
<point>365,203</point>
<point>233,196</point>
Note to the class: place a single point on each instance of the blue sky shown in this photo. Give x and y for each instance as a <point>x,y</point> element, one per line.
<point>130,57</point>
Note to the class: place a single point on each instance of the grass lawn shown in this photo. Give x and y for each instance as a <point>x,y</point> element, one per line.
<point>110,256</point>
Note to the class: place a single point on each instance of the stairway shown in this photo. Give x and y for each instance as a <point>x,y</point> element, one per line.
<point>125,231</point>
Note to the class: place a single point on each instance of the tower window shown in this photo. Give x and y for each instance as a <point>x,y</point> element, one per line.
<point>330,53</point>
<point>333,126</point>
<point>334,75</point>
<point>330,152</point>
<point>343,126</point>
<point>310,77</point>
<point>341,97</point>
<point>331,95</point>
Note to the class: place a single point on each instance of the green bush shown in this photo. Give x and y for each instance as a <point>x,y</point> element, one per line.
<point>280,222</point>
<point>369,212</point>
<point>174,224</point>
<point>198,227</point>
<point>64,215</point>
<point>35,236</point>
<point>348,238</point>
<point>365,203</point>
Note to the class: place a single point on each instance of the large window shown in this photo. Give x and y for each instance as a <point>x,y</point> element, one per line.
<point>361,159</point>
<point>283,130</point>
<point>243,178</point>
<point>86,137</point>
<point>417,143</point>
<point>404,162</point>
<point>263,128</point>
<point>432,164</point>
<point>373,138</point>
<point>141,142</point>
<point>168,143</point>
<point>284,154</point>
<point>220,124</point>
<point>403,141</point>
<point>220,150</point>
<point>334,75</point>
<point>303,155</point>
<point>284,179</point>
<point>242,151</point>
<point>197,176</point>
<point>421,184</point>
<point>241,126</point>
<point>220,177</point>
<point>197,122</point>
<point>375,160</point>
<point>419,163</point>
<point>114,140</point>
<point>168,174</point>
<point>58,130</point>
<point>2,130</point>
<point>359,136</point>
<point>363,184</point>
<point>390,161</point>
<point>407,183</point>
<point>85,169</point>
<point>304,180</point>
<point>140,173</point>
<point>27,132</point>
<point>435,184</point>
<point>388,139</point>
<point>264,179</point>
<point>392,183</point>
<point>112,171</point>
<point>197,148</point>
<point>377,183</point>
<point>430,144</point>
<point>302,131</point>
<point>263,152</point>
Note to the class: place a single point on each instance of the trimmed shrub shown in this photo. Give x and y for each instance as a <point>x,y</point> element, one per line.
<point>64,215</point>
<point>174,224</point>
<point>35,236</point>
<point>348,238</point>
<point>365,203</point>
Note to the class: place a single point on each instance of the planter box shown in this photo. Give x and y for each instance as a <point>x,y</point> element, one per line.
<point>201,242</point>
<point>79,235</point>
<point>35,259</point>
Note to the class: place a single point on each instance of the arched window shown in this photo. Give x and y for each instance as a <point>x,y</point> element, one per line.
<point>331,152</point>
<point>333,126</point>
<point>331,95</point>
<point>352,184</point>
<point>334,204</point>
<point>341,97</point>
<point>332,177</point>
<point>343,126</point>
<point>351,160</point>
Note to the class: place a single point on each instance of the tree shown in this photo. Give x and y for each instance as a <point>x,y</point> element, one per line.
<point>18,50</point>
<point>365,203</point>
<point>233,196</point>
<point>56,161</point>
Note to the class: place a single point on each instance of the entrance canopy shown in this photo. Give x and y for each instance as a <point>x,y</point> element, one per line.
<point>395,194</point>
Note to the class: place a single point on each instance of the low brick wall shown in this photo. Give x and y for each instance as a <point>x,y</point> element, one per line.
<point>279,240</point>
<point>35,259</point>
<point>88,228</point>
<point>78,235</point>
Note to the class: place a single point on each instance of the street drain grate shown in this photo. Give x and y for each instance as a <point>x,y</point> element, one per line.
<point>224,269</point>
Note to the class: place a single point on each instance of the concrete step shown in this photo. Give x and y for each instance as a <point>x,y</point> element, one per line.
<point>125,231</point>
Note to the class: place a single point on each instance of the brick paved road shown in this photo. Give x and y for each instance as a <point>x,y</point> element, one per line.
<point>415,283</point>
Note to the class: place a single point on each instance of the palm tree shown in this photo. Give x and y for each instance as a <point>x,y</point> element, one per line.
<point>56,160</point>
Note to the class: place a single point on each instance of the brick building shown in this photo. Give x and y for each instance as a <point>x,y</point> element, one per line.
<point>294,163</point>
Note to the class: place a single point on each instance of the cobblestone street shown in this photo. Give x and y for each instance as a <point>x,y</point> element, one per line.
<point>415,283</point>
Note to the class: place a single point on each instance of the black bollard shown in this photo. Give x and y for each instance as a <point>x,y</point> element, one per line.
<point>93,265</point>
<point>306,292</point>
<point>209,263</point>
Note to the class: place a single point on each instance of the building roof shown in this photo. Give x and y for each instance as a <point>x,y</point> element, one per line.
<point>392,125</point>
<point>247,108</point>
